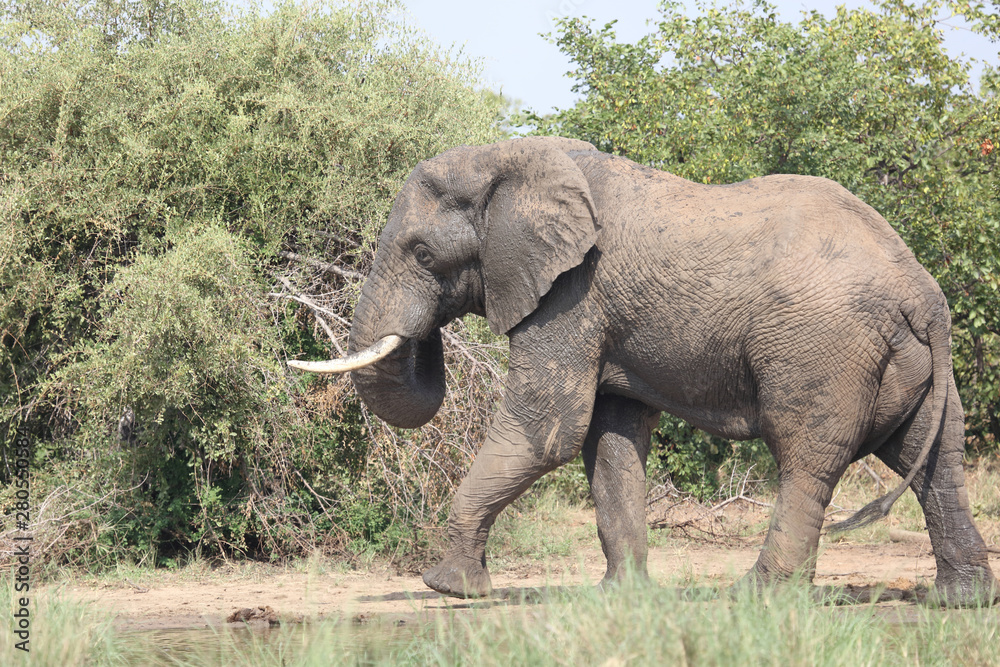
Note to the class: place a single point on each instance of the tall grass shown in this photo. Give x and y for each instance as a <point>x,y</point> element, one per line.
<point>62,633</point>
<point>634,624</point>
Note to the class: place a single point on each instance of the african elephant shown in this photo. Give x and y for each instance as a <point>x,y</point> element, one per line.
<point>781,307</point>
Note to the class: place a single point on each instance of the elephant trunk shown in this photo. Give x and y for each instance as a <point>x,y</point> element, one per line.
<point>407,386</point>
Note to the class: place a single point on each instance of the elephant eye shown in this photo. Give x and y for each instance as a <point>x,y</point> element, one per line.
<point>423,256</point>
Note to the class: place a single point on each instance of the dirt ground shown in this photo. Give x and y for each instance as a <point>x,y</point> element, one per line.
<point>200,599</point>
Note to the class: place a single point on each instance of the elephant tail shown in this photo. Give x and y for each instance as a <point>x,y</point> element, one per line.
<point>938,332</point>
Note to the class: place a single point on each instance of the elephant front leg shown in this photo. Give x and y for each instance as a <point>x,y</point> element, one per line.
<point>614,454</point>
<point>522,444</point>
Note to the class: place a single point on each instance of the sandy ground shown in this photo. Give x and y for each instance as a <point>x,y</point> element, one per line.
<point>197,600</point>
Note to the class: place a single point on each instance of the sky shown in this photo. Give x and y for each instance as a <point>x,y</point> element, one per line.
<point>522,65</point>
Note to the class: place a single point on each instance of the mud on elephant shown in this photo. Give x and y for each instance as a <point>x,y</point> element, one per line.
<point>782,308</point>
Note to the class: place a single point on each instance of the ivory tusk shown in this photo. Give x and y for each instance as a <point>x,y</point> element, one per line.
<point>366,357</point>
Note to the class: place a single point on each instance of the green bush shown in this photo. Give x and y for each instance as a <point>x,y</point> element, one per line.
<point>188,360</point>
<point>705,465</point>
<point>159,159</point>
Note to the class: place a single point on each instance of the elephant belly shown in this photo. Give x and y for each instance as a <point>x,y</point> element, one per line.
<point>719,407</point>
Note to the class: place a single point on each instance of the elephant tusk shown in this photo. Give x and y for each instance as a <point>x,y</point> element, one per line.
<point>353,362</point>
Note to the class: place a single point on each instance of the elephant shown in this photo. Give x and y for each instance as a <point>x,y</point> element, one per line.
<point>781,307</point>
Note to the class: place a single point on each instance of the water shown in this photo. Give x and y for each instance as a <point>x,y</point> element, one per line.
<point>363,639</point>
<point>323,642</point>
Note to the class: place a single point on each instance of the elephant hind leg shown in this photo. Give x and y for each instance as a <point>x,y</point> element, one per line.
<point>792,541</point>
<point>813,442</point>
<point>963,571</point>
<point>614,454</point>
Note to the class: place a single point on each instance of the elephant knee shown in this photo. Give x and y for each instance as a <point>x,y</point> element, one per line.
<point>555,455</point>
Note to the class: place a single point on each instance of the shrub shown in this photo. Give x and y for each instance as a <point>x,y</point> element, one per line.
<point>160,162</point>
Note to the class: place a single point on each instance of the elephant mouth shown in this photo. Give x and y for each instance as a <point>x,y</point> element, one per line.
<point>361,359</point>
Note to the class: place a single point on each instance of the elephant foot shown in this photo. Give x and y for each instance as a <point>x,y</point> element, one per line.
<point>460,577</point>
<point>616,577</point>
<point>981,590</point>
<point>758,580</point>
<point>752,583</point>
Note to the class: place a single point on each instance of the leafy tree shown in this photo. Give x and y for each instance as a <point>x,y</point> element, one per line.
<point>157,157</point>
<point>868,98</point>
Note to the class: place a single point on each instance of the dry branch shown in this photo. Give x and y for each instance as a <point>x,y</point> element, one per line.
<point>704,512</point>
<point>317,310</point>
<point>319,264</point>
<point>336,237</point>
<point>900,535</point>
<point>871,473</point>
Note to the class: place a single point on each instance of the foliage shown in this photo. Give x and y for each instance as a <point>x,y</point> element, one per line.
<point>156,158</point>
<point>694,460</point>
<point>188,347</point>
<point>537,526</point>
<point>868,98</point>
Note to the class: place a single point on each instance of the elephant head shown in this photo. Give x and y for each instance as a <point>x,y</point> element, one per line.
<point>477,229</point>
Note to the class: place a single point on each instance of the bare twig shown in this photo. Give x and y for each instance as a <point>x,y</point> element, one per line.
<point>737,491</point>
<point>727,501</point>
<point>317,309</point>
<point>325,266</point>
<point>49,531</point>
<point>138,588</point>
<point>668,491</point>
<point>336,237</point>
<point>871,473</point>
<point>312,304</point>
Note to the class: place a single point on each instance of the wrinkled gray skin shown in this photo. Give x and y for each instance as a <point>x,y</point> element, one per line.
<point>781,307</point>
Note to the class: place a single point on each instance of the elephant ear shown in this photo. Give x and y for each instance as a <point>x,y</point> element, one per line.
<point>538,220</point>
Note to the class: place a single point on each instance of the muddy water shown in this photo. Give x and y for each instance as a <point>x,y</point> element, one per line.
<point>252,644</point>
<point>363,638</point>
<point>369,638</point>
